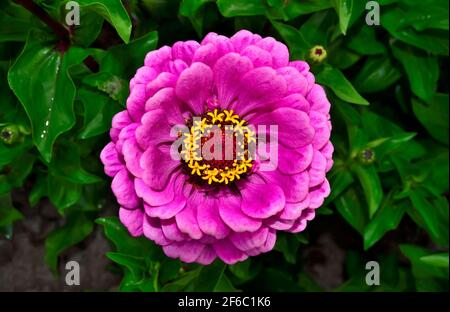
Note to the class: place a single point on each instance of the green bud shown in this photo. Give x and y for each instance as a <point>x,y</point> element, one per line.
<point>367,156</point>
<point>10,134</point>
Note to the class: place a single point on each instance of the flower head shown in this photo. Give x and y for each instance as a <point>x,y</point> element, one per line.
<point>223,143</point>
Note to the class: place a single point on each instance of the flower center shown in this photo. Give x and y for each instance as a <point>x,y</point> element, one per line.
<point>216,150</point>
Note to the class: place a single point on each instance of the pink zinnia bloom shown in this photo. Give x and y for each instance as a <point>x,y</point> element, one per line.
<point>202,209</point>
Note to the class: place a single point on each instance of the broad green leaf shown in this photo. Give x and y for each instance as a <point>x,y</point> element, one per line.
<point>8,214</point>
<point>387,218</point>
<point>211,278</point>
<point>435,215</point>
<point>76,229</point>
<point>135,265</point>
<point>426,15</point>
<point>433,40</point>
<point>125,243</point>
<point>318,28</point>
<point>351,209</point>
<point>371,185</point>
<point>245,270</point>
<point>194,11</point>
<point>339,183</point>
<point>15,23</point>
<point>40,79</point>
<point>342,58</point>
<point>336,81</point>
<point>99,110</point>
<point>344,11</point>
<point>232,8</point>
<point>422,70</point>
<point>67,165</point>
<point>124,60</point>
<point>427,277</point>
<point>89,29</point>
<point>183,282</point>
<point>288,245</point>
<point>15,173</point>
<point>114,12</point>
<point>376,75</point>
<point>439,260</point>
<point>63,193</point>
<point>298,47</point>
<point>365,42</point>
<point>116,88</point>
<point>434,116</point>
<point>289,10</point>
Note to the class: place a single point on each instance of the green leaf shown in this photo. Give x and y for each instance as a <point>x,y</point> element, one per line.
<point>114,12</point>
<point>439,260</point>
<point>318,28</point>
<point>63,193</point>
<point>16,172</point>
<point>298,47</point>
<point>124,60</point>
<point>115,87</point>
<point>339,183</point>
<point>344,11</point>
<point>433,115</point>
<point>194,11</point>
<point>365,42</point>
<point>125,243</point>
<point>135,265</point>
<point>89,29</point>
<point>427,277</point>
<point>350,208</point>
<point>336,81</point>
<point>40,79</point>
<point>15,23</point>
<point>67,165</point>
<point>232,8</point>
<point>76,229</point>
<point>387,218</point>
<point>422,70</point>
<point>211,278</point>
<point>99,110</point>
<point>426,15</point>
<point>433,40</point>
<point>244,270</point>
<point>371,185</point>
<point>434,215</point>
<point>289,10</point>
<point>288,245</point>
<point>8,214</point>
<point>376,75</point>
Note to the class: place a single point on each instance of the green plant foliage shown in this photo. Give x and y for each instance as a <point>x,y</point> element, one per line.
<point>387,83</point>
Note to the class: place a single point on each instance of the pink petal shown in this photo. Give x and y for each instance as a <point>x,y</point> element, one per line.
<point>317,170</point>
<point>123,188</point>
<point>155,129</point>
<point>258,56</point>
<point>187,218</point>
<point>171,230</point>
<point>152,230</point>
<point>249,240</point>
<point>243,39</point>
<point>278,50</point>
<point>133,220</point>
<point>110,158</point>
<point>158,166</point>
<point>209,220</point>
<point>318,194</point>
<point>185,50</point>
<point>194,86</point>
<point>293,161</point>
<point>261,200</point>
<point>228,253</point>
<point>227,73</point>
<point>187,251</point>
<point>231,213</point>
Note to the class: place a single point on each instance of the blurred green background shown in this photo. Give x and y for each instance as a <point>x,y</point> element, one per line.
<point>388,84</point>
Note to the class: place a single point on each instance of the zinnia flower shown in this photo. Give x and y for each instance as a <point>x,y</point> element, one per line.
<point>200,208</point>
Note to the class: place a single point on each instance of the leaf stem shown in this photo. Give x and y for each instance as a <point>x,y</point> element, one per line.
<point>63,33</point>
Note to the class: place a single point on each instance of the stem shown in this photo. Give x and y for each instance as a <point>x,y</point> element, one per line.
<point>62,32</point>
